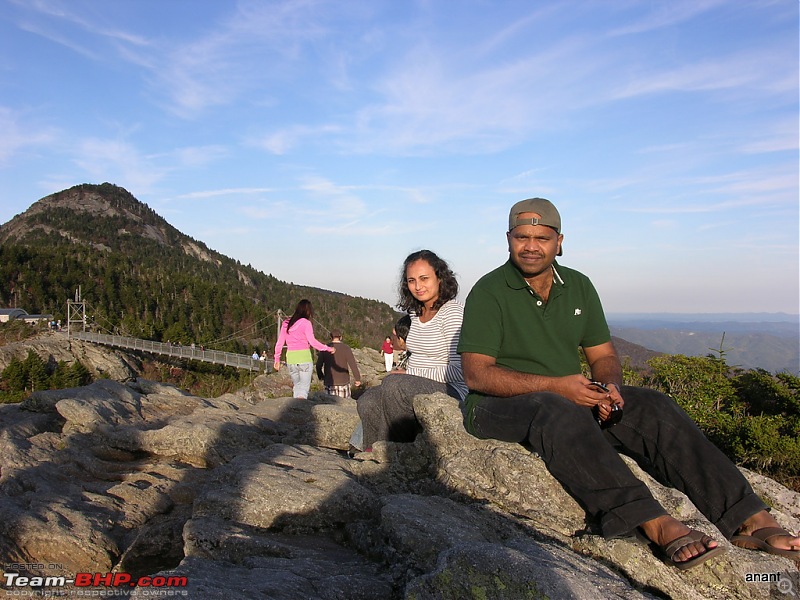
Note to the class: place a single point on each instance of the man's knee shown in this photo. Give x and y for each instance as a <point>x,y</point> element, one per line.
<point>648,401</point>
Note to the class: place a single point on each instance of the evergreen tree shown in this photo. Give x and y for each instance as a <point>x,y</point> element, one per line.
<point>15,376</point>
<point>36,372</point>
<point>77,375</point>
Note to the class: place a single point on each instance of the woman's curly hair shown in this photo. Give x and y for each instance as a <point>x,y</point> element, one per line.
<point>448,284</point>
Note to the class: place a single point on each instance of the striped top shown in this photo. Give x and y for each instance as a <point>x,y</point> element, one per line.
<point>433,347</point>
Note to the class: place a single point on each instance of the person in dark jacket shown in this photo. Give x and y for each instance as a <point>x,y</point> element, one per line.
<point>334,369</point>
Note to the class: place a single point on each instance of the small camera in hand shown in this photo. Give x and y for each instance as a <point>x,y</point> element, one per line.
<point>614,417</point>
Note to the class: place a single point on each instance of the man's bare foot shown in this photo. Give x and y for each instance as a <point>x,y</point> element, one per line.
<point>665,530</point>
<point>762,532</point>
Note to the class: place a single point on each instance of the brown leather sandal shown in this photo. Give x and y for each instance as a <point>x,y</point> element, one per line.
<point>759,540</point>
<point>693,536</point>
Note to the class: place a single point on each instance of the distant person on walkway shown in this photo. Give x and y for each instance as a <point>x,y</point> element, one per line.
<point>254,356</point>
<point>334,369</point>
<point>524,324</point>
<point>387,351</point>
<point>427,291</point>
<point>297,334</point>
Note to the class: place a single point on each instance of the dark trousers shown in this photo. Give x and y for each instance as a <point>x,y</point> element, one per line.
<point>654,431</point>
<point>386,410</point>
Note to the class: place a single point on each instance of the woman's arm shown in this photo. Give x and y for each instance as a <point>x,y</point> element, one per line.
<point>312,341</point>
<point>279,346</point>
<point>451,330</point>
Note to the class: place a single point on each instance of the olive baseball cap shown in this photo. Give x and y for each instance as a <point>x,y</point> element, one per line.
<point>548,214</point>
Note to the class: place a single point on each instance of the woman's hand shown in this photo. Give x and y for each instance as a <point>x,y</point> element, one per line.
<point>277,366</point>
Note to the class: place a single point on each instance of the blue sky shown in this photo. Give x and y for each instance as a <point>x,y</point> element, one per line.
<point>323,141</point>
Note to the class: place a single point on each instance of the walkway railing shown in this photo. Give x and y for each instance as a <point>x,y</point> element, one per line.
<point>217,357</point>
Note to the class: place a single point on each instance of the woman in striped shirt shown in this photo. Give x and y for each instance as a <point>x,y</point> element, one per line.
<point>427,291</point>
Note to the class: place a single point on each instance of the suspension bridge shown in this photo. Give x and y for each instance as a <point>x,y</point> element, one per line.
<point>217,357</point>
<point>76,328</point>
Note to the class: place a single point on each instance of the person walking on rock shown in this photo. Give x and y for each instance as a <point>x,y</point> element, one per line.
<point>297,334</point>
<point>334,369</point>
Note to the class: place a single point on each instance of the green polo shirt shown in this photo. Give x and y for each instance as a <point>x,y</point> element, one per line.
<point>504,318</point>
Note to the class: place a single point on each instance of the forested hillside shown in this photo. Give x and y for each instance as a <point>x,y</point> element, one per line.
<point>141,277</point>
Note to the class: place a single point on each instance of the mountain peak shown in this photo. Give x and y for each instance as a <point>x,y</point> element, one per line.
<point>105,199</point>
<point>141,275</point>
<point>74,212</point>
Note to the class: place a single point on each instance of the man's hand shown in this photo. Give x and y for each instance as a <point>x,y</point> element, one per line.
<point>605,367</point>
<point>612,399</point>
<point>580,390</point>
<point>614,395</point>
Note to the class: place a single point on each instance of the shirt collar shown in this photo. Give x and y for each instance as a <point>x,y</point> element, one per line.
<point>556,275</point>
<point>516,281</point>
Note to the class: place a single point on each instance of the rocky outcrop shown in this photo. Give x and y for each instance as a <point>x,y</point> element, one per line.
<point>253,496</point>
<point>55,346</point>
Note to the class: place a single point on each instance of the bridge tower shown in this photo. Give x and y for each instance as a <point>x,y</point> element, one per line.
<point>281,317</point>
<point>76,312</point>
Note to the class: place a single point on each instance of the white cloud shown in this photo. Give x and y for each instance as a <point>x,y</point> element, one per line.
<point>777,136</point>
<point>225,192</point>
<point>15,135</point>
<point>282,141</point>
<point>668,14</point>
<point>119,162</point>
<point>199,156</point>
<point>256,43</point>
<point>746,71</point>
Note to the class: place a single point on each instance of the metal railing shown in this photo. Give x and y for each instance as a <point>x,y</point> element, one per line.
<point>217,357</point>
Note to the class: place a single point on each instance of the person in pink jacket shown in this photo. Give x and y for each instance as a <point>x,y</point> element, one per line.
<point>297,334</point>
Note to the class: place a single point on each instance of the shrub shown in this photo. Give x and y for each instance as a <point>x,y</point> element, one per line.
<point>752,416</point>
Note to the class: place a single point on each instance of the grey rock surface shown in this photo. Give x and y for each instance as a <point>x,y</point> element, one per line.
<point>252,495</point>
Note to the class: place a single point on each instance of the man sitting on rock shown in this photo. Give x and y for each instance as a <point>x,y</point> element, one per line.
<point>523,325</point>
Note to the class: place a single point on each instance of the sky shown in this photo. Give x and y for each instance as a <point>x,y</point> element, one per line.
<point>323,141</point>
